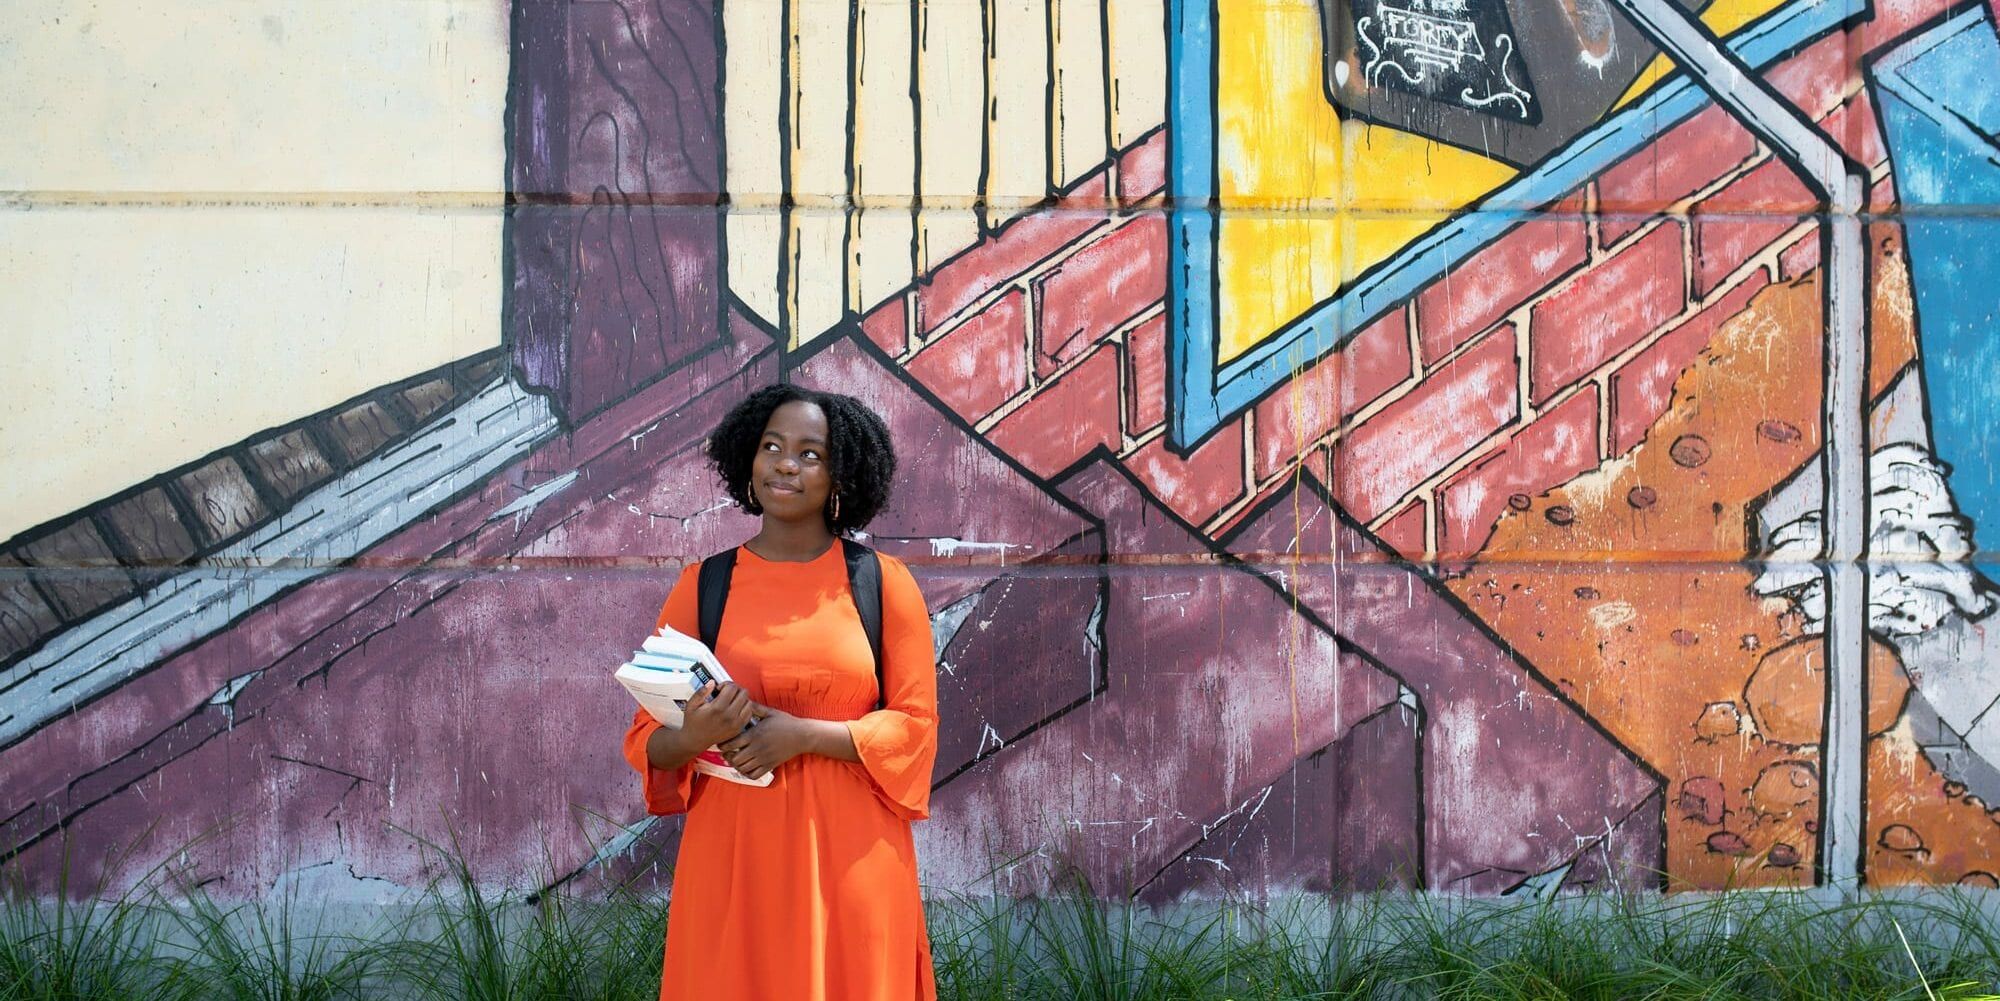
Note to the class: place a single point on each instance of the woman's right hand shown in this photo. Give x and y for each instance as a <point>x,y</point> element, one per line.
<point>715,714</point>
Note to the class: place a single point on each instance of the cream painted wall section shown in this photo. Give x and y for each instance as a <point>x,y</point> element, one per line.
<point>1014,99</point>
<point>220,216</point>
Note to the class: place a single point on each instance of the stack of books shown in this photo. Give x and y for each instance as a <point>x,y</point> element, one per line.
<point>663,674</point>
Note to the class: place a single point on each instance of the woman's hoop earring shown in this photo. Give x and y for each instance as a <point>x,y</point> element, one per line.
<point>836,507</point>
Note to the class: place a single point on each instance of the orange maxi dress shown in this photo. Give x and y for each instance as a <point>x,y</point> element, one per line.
<point>806,889</point>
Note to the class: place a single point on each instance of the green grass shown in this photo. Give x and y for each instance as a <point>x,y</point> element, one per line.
<point>457,939</point>
<point>1749,945</point>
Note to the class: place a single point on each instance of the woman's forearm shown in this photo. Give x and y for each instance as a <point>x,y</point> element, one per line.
<point>830,739</point>
<point>668,749</point>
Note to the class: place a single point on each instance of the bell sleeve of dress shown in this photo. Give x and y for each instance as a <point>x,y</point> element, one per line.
<point>665,792</point>
<point>898,743</point>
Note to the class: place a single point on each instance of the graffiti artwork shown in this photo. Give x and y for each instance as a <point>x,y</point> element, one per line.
<point>1433,444</point>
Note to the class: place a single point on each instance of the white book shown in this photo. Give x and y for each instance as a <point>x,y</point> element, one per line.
<point>664,674</point>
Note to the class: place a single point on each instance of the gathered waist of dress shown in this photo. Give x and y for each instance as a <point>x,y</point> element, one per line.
<point>819,709</point>
<point>815,692</point>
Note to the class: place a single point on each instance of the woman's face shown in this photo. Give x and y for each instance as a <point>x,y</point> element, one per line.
<point>789,476</point>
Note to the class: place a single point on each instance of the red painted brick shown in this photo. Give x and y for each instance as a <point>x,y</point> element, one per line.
<point>1405,532</point>
<point>1819,78</point>
<point>1771,188</point>
<point>1893,19</point>
<point>1461,404</point>
<point>1309,406</point>
<point>982,362</point>
<point>1146,353</point>
<point>1319,463</point>
<point>1854,127</point>
<point>1690,157</point>
<point>1374,362</point>
<point>1199,486</point>
<point>1098,289</point>
<point>1605,310</point>
<point>1066,419</point>
<point>1642,390</point>
<point>1027,240</point>
<point>1802,256</point>
<point>1296,415</point>
<point>1554,449</point>
<point>1474,296</point>
<point>1142,168</point>
<point>1882,195</point>
<point>889,326</point>
<point>1740,221</point>
<point>1092,190</point>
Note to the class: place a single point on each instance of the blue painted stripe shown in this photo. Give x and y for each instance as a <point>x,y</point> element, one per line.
<point>1201,397</point>
<point>1192,398</point>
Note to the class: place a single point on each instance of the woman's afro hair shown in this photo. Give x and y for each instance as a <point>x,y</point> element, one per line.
<point>859,456</point>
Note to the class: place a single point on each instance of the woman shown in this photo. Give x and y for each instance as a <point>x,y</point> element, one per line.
<point>806,888</point>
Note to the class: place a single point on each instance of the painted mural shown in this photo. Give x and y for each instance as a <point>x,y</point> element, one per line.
<point>1350,445</point>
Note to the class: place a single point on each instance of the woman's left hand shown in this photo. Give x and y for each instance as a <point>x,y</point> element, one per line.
<point>776,738</point>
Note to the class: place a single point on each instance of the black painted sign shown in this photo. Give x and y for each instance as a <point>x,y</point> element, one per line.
<point>1460,52</point>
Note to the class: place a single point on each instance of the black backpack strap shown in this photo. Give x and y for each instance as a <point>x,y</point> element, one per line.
<point>712,590</point>
<point>864,581</point>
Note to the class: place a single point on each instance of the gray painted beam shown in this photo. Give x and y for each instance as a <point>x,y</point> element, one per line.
<point>1844,185</point>
<point>325,528</point>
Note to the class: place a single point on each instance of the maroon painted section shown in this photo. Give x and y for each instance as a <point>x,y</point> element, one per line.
<point>615,219</point>
<point>1190,730</point>
<point>1357,780</point>
<point>1346,817</point>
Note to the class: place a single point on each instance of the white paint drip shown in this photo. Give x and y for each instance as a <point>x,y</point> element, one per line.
<point>945,547</point>
<point>1093,651</point>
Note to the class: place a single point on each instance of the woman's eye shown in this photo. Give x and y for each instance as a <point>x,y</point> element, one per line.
<point>810,454</point>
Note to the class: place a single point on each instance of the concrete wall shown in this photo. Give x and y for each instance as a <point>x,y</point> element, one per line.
<point>222,217</point>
